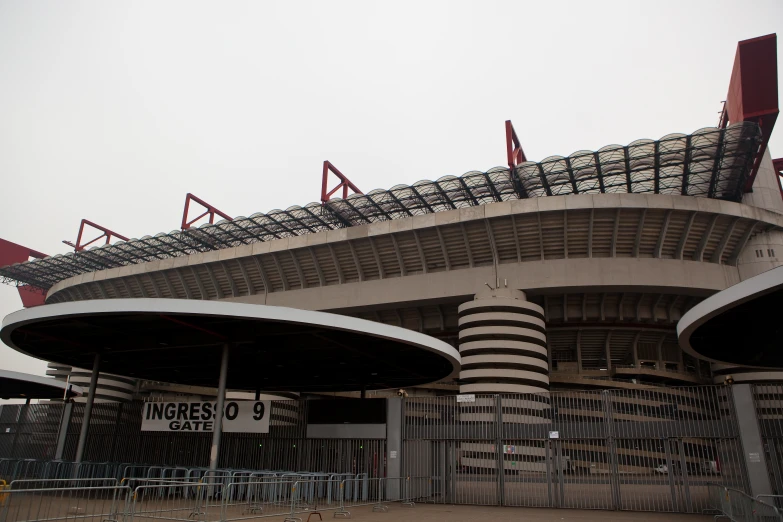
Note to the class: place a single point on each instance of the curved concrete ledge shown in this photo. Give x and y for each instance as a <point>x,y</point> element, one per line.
<point>481,318</point>
<point>481,333</point>
<point>487,360</point>
<point>519,347</point>
<point>521,307</point>
<point>499,388</point>
<point>739,325</point>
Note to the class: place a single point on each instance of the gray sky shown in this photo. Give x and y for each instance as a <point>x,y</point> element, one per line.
<point>113,111</point>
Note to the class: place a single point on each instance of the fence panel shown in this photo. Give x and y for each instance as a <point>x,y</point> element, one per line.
<point>29,431</point>
<point>768,399</point>
<point>641,450</point>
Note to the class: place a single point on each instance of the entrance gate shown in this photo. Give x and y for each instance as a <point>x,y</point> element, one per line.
<point>640,450</point>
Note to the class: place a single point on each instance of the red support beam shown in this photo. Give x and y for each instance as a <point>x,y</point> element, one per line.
<point>108,234</point>
<point>777,164</point>
<point>753,92</point>
<point>345,183</point>
<point>514,153</point>
<point>11,253</point>
<point>210,210</point>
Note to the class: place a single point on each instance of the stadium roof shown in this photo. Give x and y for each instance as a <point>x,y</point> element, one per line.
<point>710,163</point>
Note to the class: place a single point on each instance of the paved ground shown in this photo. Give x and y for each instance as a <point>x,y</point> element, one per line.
<point>445,513</point>
<point>159,503</point>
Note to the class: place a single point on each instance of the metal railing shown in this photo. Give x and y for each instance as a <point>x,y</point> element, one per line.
<point>740,507</point>
<point>242,497</point>
<point>103,503</point>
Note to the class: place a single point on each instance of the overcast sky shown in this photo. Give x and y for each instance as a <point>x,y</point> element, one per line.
<point>113,111</point>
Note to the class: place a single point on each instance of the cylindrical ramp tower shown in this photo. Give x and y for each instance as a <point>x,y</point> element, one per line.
<point>502,342</point>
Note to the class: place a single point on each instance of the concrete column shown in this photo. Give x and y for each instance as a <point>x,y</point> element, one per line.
<point>502,341</point>
<point>96,365</point>
<point>659,354</point>
<point>393,445</point>
<point>221,401</point>
<point>750,436</point>
<point>636,350</point>
<point>62,433</point>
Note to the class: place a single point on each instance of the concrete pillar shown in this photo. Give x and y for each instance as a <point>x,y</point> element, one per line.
<point>750,436</point>
<point>62,433</point>
<point>221,402</point>
<point>96,365</point>
<point>502,341</point>
<point>393,445</point>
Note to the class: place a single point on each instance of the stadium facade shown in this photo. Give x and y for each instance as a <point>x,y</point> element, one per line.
<point>567,273</point>
<point>560,281</point>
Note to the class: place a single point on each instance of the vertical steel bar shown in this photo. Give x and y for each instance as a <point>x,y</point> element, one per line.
<point>684,477</point>
<point>116,430</point>
<point>548,454</point>
<point>501,456</point>
<point>221,400</point>
<point>559,471</point>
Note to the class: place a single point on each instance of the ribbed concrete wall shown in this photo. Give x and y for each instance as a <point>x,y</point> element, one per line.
<point>502,341</point>
<point>111,388</point>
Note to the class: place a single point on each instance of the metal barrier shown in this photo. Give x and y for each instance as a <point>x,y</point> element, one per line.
<point>775,500</point>
<point>103,503</point>
<point>241,498</point>
<point>175,501</point>
<point>739,507</point>
<point>47,483</point>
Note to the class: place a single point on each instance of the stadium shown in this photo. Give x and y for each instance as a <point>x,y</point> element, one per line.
<point>560,282</point>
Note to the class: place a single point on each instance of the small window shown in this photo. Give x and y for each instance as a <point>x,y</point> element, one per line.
<point>773,252</point>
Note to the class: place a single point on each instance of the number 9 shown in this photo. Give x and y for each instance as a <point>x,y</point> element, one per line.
<point>258,410</point>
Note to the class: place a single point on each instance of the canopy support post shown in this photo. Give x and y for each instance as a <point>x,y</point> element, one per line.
<point>96,365</point>
<point>221,401</point>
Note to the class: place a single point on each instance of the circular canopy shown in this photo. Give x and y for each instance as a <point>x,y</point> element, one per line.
<point>271,348</point>
<point>740,325</point>
<point>15,385</point>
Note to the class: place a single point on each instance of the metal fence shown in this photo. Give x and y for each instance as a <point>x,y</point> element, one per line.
<point>30,430</point>
<point>33,432</point>
<point>651,449</point>
<point>642,450</point>
<point>768,399</point>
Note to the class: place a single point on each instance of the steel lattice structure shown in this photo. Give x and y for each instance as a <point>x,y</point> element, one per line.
<point>711,163</point>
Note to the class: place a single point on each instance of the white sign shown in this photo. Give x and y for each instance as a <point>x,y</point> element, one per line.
<point>754,457</point>
<point>468,397</point>
<point>392,454</point>
<point>554,434</point>
<point>238,416</point>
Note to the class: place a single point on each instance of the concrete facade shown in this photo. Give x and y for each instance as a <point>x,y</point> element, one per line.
<point>612,273</point>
